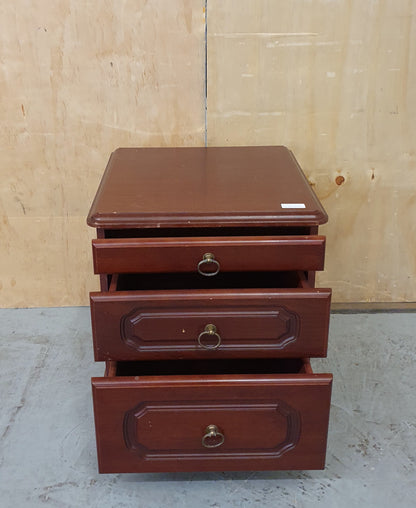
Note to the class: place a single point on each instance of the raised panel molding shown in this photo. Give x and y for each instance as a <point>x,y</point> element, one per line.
<point>153,330</point>
<point>143,414</point>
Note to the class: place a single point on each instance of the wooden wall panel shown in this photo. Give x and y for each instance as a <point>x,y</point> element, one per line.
<point>77,80</point>
<point>335,82</point>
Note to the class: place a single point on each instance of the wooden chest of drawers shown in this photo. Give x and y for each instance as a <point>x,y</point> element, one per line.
<point>208,312</point>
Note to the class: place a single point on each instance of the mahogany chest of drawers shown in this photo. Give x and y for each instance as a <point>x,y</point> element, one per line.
<point>208,312</point>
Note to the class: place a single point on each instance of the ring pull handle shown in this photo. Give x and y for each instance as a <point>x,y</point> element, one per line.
<point>208,258</point>
<point>212,437</point>
<point>210,330</point>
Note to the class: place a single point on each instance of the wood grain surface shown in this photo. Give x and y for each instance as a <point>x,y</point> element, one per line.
<point>77,80</point>
<point>333,81</point>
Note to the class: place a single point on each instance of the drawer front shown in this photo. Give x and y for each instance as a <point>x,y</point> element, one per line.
<point>234,422</point>
<point>156,255</point>
<point>210,324</point>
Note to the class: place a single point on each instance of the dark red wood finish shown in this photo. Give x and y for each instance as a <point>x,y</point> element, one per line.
<point>156,423</point>
<point>134,325</point>
<point>157,212</point>
<point>210,187</point>
<point>144,255</point>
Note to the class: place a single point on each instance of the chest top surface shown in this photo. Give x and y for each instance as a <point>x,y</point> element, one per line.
<point>209,187</point>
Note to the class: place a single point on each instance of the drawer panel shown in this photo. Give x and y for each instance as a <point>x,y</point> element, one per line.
<point>226,415</point>
<point>217,323</point>
<point>156,255</point>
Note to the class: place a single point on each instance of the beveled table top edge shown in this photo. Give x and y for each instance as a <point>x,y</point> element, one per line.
<point>122,221</point>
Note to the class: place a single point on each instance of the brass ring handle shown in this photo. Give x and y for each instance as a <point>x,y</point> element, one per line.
<point>206,259</point>
<point>211,433</point>
<point>210,330</point>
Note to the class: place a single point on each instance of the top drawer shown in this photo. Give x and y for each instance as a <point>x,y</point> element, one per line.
<point>208,255</point>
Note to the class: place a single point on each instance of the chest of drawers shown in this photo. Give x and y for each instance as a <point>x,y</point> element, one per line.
<point>208,312</point>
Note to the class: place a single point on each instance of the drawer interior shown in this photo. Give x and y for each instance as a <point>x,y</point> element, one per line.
<point>243,366</point>
<point>203,232</point>
<point>225,280</point>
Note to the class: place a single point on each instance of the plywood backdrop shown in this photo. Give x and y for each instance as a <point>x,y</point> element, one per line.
<point>332,79</point>
<point>77,80</point>
<point>335,80</point>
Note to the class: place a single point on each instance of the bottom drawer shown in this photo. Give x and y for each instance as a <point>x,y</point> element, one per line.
<point>211,415</point>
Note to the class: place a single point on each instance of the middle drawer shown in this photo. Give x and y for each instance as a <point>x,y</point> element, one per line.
<point>144,317</point>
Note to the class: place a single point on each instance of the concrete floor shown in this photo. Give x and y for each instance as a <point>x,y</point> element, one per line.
<point>47,447</point>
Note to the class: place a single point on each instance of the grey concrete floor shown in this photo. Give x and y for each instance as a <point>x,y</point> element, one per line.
<point>47,447</point>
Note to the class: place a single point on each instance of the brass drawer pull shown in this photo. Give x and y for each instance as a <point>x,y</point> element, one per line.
<point>210,330</point>
<point>212,437</point>
<point>207,259</point>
